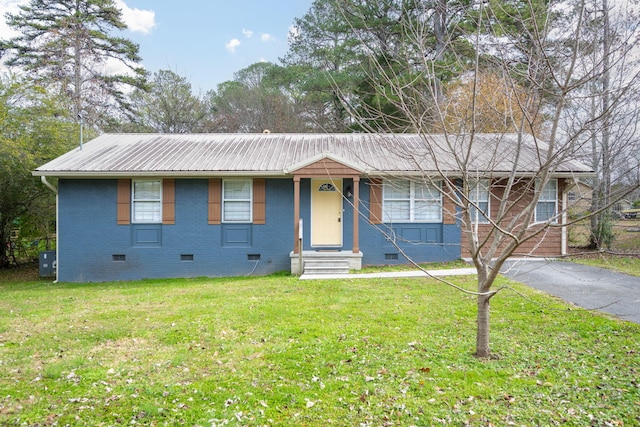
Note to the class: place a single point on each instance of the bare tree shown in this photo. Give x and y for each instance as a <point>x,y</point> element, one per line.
<point>255,101</point>
<point>169,106</point>
<point>505,191</point>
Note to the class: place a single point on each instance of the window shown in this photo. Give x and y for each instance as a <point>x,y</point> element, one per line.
<point>479,196</point>
<point>327,187</point>
<point>408,201</point>
<point>546,208</point>
<point>236,200</point>
<point>147,201</point>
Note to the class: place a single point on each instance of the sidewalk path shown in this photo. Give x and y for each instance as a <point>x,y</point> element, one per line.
<point>391,274</point>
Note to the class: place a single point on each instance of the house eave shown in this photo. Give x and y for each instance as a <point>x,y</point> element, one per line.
<point>488,174</point>
<point>285,174</point>
<point>168,174</point>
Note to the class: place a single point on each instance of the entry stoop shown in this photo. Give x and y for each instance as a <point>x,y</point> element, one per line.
<point>325,262</point>
<point>326,266</point>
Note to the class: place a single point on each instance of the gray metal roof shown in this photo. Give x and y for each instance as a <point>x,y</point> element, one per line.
<point>280,154</point>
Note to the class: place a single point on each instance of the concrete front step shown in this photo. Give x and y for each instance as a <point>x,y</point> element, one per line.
<point>326,266</point>
<point>346,260</point>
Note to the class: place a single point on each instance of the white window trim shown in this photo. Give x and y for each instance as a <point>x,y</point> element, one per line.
<point>249,200</point>
<point>412,201</point>
<point>134,200</point>
<point>554,217</point>
<point>480,187</point>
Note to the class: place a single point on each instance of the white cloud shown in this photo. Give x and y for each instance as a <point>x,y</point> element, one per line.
<point>137,20</point>
<point>247,33</point>
<point>232,45</point>
<point>267,37</point>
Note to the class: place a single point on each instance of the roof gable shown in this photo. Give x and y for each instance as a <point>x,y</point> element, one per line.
<point>325,164</point>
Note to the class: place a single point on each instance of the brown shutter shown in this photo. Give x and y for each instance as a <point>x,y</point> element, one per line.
<point>168,201</point>
<point>259,201</point>
<point>215,201</point>
<point>448,206</point>
<point>375,201</point>
<point>123,202</point>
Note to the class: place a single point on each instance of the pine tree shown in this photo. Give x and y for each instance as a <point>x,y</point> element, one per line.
<point>65,45</point>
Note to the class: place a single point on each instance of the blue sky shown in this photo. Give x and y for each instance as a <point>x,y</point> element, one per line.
<point>205,41</point>
<point>208,40</point>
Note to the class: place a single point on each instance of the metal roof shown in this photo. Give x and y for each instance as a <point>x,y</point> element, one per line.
<point>279,154</point>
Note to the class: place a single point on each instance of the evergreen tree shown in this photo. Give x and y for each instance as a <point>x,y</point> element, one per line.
<point>66,44</point>
<point>356,54</point>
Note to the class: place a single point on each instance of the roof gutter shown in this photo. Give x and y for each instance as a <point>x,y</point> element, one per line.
<point>277,174</point>
<point>167,174</point>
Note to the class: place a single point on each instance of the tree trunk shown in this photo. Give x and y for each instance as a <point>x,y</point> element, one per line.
<point>482,333</point>
<point>440,33</point>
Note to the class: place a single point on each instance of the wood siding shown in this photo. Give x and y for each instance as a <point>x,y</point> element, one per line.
<point>326,168</point>
<point>547,243</point>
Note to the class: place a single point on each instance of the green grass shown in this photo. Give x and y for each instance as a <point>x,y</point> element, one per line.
<point>278,351</point>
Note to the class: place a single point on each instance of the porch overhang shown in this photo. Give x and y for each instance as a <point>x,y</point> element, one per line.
<point>326,166</point>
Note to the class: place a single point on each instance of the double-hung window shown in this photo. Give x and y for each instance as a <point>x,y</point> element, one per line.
<point>479,200</point>
<point>547,206</point>
<point>409,201</point>
<point>236,200</point>
<point>147,201</point>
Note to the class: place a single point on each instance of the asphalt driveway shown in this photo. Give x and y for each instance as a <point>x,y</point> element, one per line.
<point>589,287</point>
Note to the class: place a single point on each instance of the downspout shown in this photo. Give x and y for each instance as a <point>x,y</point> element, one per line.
<point>43,179</point>
<point>47,184</point>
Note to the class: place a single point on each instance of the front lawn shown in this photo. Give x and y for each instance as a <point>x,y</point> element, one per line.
<point>279,351</point>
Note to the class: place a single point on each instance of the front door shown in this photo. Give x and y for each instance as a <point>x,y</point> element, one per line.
<point>326,212</point>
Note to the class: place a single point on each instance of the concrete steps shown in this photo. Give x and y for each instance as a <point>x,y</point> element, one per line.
<point>326,266</point>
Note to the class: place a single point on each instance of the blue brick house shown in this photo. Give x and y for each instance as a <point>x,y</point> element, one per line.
<point>133,206</point>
